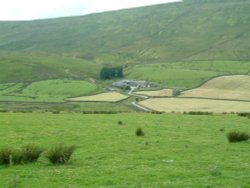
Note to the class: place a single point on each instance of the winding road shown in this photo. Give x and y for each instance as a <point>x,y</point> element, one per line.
<point>140,96</point>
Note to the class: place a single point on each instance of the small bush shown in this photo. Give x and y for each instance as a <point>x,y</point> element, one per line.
<point>60,154</point>
<point>120,122</point>
<point>236,136</point>
<point>10,157</point>
<point>31,153</point>
<point>139,132</point>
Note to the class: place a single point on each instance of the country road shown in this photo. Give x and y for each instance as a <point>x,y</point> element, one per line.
<point>140,96</point>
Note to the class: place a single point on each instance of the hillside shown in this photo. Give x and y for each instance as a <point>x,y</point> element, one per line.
<point>77,47</point>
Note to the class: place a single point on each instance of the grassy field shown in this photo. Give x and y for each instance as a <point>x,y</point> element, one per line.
<point>45,91</point>
<point>102,97</point>
<point>188,104</point>
<point>225,87</point>
<point>176,151</point>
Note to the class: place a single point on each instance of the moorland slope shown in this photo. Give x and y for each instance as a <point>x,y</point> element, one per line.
<point>77,47</point>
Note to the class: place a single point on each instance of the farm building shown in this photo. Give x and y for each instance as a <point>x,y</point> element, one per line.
<point>133,83</point>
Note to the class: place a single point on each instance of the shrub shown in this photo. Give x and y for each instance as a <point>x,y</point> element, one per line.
<point>60,154</point>
<point>31,153</point>
<point>139,132</point>
<point>120,122</point>
<point>9,156</point>
<point>236,136</point>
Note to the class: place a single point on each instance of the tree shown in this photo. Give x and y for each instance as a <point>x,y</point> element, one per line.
<point>111,72</point>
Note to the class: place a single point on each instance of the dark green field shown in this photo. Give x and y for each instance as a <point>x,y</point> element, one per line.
<point>176,151</point>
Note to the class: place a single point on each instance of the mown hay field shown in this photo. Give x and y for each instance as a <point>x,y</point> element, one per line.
<point>189,104</point>
<point>156,93</point>
<point>102,97</point>
<point>235,87</point>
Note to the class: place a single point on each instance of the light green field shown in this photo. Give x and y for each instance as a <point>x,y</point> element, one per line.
<point>156,93</point>
<point>188,104</point>
<point>176,151</point>
<point>168,77</point>
<point>102,97</point>
<point>46,91</point>
<point>226,87</point>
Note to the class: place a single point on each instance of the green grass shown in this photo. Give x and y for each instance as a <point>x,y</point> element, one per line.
<point>176,151</point>
<point>46,91</point>
<point>168,77</point>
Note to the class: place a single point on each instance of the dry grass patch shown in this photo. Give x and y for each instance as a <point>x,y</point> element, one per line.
<point>225,87</point>
<point>158,93</point>
<point>103,97</point>
<point>203,105</point>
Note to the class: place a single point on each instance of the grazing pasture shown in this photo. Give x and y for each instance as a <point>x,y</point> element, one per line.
<point>190,104</point>
<point>169,77</point>
<point>102,97</point>
<point>45,91</point>
<point>175,151</point>
<point>235,87</point>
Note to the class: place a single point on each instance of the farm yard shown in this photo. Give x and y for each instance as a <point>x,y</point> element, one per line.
<point>176,150</point>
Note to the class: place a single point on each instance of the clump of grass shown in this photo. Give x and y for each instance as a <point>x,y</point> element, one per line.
<point>10,156</point>
<point>236,136</point>
<point>60,154</point>
<point>215,170</point>
<point>198,113</point>
<point>222,129</point>
<point>244,114</point>
<point>120,122</point>
<point>139,132</point>
<point>31,153</point>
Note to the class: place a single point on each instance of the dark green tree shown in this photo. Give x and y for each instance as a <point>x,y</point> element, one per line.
<point>111,72</point>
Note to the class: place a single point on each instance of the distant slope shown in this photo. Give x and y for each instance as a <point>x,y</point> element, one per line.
<point>184,31</point>
<point>225,87</point>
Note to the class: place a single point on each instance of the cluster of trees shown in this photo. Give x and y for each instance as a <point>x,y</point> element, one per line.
<point>111,72</point>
